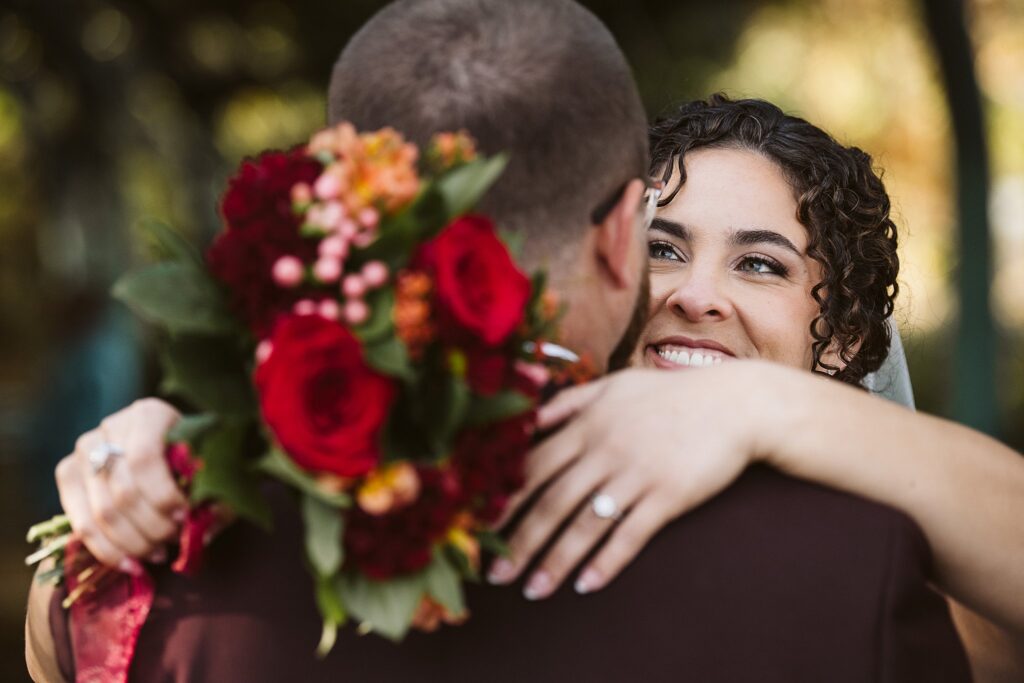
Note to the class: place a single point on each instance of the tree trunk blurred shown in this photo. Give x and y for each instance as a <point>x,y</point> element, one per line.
<point>974,390</point>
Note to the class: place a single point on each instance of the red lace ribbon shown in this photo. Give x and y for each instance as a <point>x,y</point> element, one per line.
<point>105,621</point>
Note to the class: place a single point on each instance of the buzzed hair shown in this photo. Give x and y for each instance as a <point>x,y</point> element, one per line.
<point>542,80</point>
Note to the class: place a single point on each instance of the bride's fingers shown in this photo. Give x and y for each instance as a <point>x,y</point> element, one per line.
<point>145,425</point>
<point>155,526</point>
<point>544,463</point>
<point>76,507</point>
<point>105,511</point>
<point>567,403</point>
<point>580,538</point>
<point>544,517</point>
<point>625,543</point>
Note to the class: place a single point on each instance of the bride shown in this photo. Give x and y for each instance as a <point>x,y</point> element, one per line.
<point>772,253</point>
<point>772,243</point>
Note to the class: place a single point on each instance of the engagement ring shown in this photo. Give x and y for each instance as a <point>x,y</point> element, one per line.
<point>102,456</point>
<point>605,507</point>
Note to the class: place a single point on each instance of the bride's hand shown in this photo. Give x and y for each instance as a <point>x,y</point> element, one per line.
<point>652,444</point>
<point>133,507</point>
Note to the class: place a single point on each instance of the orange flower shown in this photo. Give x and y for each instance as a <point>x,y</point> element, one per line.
<point>375,169</point>
<point>448,149</point>
<point>413,312</point>
<point>466,544</point>
<point>389,488</point>
<point>431,614</point>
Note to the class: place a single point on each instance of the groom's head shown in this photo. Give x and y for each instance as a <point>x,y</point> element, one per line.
<point>544,81</point>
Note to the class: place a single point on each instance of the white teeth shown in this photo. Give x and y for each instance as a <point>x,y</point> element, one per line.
<point>687,359</point>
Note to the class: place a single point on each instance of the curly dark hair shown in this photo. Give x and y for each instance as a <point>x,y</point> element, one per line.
<point>840,200</point>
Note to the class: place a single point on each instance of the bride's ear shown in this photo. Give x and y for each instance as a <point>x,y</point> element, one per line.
<point>618,237</point>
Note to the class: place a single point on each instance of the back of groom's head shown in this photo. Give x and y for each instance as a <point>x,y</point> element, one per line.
<point>542,80</point>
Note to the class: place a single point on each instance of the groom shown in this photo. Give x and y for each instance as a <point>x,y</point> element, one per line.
<point>774,580</point>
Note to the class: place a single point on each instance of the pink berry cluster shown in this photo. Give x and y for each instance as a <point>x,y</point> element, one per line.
<point>362,175</point>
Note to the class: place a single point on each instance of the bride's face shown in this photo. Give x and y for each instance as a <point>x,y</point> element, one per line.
<point>730,277</point>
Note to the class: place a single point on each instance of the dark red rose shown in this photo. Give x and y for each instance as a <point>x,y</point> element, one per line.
<point>402,541</point>
<point>260,228</point>
<point>487,371</point>
<point>324,405</point>
<point>491,463</point>
<point>479,292</point>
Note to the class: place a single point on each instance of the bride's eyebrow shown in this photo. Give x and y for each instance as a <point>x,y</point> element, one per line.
<point>748,238</point>
<point>677,230</point>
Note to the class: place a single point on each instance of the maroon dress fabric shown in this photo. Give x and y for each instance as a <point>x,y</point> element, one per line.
<point>773,580</point>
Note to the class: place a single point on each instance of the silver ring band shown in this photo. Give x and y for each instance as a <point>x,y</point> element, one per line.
<point>102,456</point>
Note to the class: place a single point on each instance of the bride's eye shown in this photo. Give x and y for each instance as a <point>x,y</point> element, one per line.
<point>663,251</point>
<point>762,265</point>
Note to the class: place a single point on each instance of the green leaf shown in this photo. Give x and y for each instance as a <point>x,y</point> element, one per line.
<point>493,543</point>
<point>400,234</point>
<point>278,465</point>
<point>324,528</point>
<point>332,612</point>
<point>168,243</point>
<point>390,357</point>
<point>513,240</point>
<point>191,428</point>
<point>463,186</point>
<point>381,322</point>
<point>462,565</point>
<point>227,477</point>
<point>386,607</point>
<point>500,406</point>
<point>55,526</point>
<point>208,373</point>
<point>177,295</point>
<point>455,403</point>
<point>444,584</point>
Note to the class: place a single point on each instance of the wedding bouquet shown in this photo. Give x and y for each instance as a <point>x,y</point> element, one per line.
<point>374,345</point>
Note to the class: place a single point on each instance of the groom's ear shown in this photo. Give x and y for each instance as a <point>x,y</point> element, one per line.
<point>618,240</point>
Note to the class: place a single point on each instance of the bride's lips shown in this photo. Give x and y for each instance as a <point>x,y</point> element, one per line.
<point>673,353</point>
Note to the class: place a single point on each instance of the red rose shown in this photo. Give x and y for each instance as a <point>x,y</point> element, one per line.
<point>260,228</point>
<point>491,464</point>
<point>324,405</point>
<point>480,294</point>
<point>402,541</point>
<point>487,372</point>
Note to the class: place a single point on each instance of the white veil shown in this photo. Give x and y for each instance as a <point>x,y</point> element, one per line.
<point>892,380</point>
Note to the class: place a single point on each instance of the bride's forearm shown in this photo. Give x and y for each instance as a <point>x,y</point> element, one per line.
<point>964,489</point>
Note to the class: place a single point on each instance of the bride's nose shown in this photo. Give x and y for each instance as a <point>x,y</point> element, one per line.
<point>699,295</point>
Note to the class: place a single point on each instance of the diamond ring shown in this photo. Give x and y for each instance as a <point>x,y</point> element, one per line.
<point>605,507</point>
<point>102,456</point>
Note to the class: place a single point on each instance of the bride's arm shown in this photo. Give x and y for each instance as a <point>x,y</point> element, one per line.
<point>664,442</point>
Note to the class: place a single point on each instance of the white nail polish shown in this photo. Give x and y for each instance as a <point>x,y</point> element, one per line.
<point>587,582</point>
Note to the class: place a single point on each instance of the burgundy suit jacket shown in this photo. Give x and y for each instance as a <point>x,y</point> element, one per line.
<point>773,580</point>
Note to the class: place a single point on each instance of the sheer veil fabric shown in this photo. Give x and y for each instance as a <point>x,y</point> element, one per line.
<point>892,380</point>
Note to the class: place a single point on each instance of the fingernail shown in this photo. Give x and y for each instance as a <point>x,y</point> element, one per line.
<point>158,556</point>
<point>130,566</point>
<point>588,582</point>
<point>502,571</point>
<point>179,515</point>
<point>538,587</point>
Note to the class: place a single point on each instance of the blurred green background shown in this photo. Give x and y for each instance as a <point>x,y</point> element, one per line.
<point>116,112</point>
